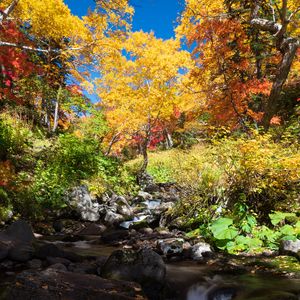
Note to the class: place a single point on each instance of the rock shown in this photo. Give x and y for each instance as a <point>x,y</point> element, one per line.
<point>171,246</point>
<point>146,230</point>
<point>83,268</point>
<point>59,267</point>
<point>143,196</point>
<point>4,248</point>
<point>200,250</point>
<point>58,225</point>
<point>34,264</point>
<point>21,252</point>
<point>92,229</point>
<point>49,250</point>
<point>152,188</point>
<point>114,236</point>
<point>145,267</point>
<point>20,231</point>
<point>56,285</point>
<point>290,248</point>
<point>112,218</point>
<point>81,200</point>
<point>57,260</point>
<point>144,179</point>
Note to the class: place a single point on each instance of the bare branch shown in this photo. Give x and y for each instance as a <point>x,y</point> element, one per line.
<point>4,14</point>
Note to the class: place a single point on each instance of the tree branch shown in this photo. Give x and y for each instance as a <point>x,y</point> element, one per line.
<point>4,14</point>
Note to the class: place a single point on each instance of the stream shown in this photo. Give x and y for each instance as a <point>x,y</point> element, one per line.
<point>189,280</point>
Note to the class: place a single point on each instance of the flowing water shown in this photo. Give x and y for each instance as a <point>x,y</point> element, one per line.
<point>188,280</point>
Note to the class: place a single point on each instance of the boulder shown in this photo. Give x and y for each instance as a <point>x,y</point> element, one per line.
<point>34,264</point>
<point>92,229</point>
<point>171,246</point>
<point>4,248</point>
<point>290,248</point>
<point>21,252</point>
<point>112,218</point>
<point>56,285</point>
<point>143,196</point>
<point>81,200</point>
<point>58,267</point>
<point>16,242</point>
<point>145,267</point>
<point>19,231</point>
<point>49,250</point>
<point>113,236</point>
<point>200,251</point>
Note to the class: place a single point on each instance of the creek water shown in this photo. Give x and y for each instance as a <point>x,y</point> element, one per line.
<point>189,280</point>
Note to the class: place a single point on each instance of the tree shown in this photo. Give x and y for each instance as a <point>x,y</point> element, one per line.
<point>139,88</point>
<point>237,55</point>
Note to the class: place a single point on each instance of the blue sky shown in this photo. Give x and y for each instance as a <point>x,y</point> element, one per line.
<point>150,15</point>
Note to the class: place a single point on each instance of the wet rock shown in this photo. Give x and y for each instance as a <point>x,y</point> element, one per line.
<point>146,230</point>
<point>56,285</point>
<point>144,196</point>
<point>49,250</point>
<point>58,225</point>
<point>290,248</point>
<point>112,218</point>
<point>92,229</point>
<point>171,246</point>
<point>57,260</point>
<point>152,188</point>
<point>4,248</point>
<point>83,268</point>
<point>19,231</point>
<point>58,267</point>
<point>114,236</point>
<point>21,252</point>
<point>81,200</point>
<point>200,251</point>
<point>145,267</point>
<point>34,264</point>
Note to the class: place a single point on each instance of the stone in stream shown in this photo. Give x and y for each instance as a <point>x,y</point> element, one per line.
<point>80,199</point>
<point>112,218</point>
<point>56,285</point>
<point>16,242</point>
<point>145,267</point>
<point>200,251</point>
<point>92,229</point>
<point>171,246</point>
<point>290,248</point>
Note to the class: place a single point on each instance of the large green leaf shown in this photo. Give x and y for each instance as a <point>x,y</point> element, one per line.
<point>279,216</point>
<point>222,229</point>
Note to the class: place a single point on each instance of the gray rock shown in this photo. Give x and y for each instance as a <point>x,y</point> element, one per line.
<point>4,248</point>
<point>55,285</point>
<point>92,229</point>
<point>146,230</point>
<point>21,252</point>
<point>19,230</point>
<point>34,264</point>
<point>200,250</point>
<point>171,246</point>
<point>145,267</point>
<point>290,248</point>
<point>58,267</point>
<point>112,218</point>
<point>57,260</point>
<point>81,200</point>
<point>144,196</point>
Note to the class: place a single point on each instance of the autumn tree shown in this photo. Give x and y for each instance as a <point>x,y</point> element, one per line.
<point>244,53</point>
<point>139,88</point>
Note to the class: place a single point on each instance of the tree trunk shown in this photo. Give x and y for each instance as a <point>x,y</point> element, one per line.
<point>145,156</point>
<point>273,104</point>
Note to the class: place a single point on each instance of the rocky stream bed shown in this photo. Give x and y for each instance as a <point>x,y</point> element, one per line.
<point>128,249</point>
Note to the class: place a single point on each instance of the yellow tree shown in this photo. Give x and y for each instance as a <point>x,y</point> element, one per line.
<point>140,87</point>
